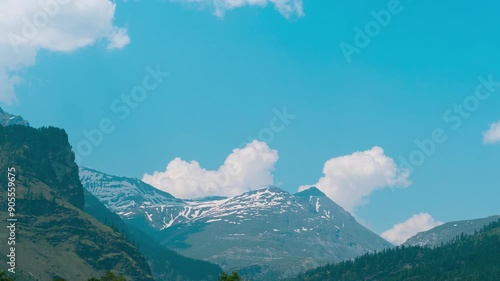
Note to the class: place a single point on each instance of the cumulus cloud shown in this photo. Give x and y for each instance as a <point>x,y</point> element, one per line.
<point>29,26</point>
<point>493,134</point>
<point>287,8</point>
<point>349,180</point>
<point>401,232</point>
<point>244,169</point>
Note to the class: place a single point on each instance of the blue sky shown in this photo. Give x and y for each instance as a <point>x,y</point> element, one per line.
<point>228,73</point>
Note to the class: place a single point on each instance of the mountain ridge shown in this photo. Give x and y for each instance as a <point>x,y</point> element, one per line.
<point>264,233</point>
<point>448,231</point>
<point>165,264</point>
<point>466,257</point>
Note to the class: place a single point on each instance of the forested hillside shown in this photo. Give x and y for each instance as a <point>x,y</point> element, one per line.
<point>473,257</point>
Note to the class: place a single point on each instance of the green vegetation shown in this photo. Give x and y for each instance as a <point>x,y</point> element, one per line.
<point>107,276</point>
<point>473,257</point>
<point>111,276</point>
<point>4,277</point>
<point>233,277</point>
<point>448,231</point>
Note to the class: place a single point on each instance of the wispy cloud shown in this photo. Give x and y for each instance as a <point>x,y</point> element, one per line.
<point>493,134</point>
<point>287,8</point>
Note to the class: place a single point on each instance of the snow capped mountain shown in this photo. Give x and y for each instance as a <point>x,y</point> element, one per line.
<point>121,195</point>
<point>263,233</point>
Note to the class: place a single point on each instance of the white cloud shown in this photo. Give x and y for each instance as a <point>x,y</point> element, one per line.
<point>118,39</point>
<point>243,170</point>
<point>401,232</point>
<point>493,134</point>
<point>349,180</point>
<point>29,26</point>
<point>287,8</point>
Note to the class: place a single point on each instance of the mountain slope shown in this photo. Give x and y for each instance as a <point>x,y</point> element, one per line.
<point>264,233</point>
<point>131,192</point>
<point>165,264</point>
<point>448,231</point>
<point>473,258</point>
<point>54,237</point>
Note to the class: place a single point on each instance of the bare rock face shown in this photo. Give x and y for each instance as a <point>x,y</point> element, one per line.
<point>7,119</point>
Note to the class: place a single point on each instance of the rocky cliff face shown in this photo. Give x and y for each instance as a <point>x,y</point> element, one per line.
<point>55,238</point>
<point>43,154</point>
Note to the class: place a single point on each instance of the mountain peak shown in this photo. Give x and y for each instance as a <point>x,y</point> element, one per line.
<point>279,228</point>
<point>266,189</point>
<point>312,191</point>
<point>7,119</point>
<point>272,188</point>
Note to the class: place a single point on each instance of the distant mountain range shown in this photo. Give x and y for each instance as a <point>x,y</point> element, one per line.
<point>75,223</point>
<point>265,234</point>
<point>448,231</point>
